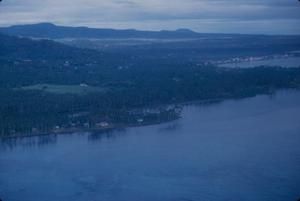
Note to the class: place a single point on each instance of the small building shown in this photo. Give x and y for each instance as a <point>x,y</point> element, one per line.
<point>102,124</point>
<point>140,120</point>
<point>67,63</point>
<point>83,85</point>
<point>86,125</point>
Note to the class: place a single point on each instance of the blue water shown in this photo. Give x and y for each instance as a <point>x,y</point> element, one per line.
<point>237,150</point>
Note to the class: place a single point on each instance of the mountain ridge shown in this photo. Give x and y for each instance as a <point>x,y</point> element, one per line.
<point>52,31</point>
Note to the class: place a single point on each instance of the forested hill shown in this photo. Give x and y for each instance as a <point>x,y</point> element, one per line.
<point>181,45</point>
<point>23,48</point>
<point>48,30</point>
<point>46,86</point>
<point>51,31</point>
<point>26,61</point>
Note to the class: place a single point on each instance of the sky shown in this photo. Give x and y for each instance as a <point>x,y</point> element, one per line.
<point>207,16</point>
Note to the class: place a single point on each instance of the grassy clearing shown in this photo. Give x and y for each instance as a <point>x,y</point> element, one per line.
<point>65,89</point>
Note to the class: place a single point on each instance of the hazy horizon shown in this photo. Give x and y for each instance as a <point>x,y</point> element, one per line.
<point>216,16</point>
<point>120,28</point>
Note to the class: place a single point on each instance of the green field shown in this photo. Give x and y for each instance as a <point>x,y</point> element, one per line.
<point>65,89</point>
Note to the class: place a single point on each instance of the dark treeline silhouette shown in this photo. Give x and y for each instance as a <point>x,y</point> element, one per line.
<point>135,89</point>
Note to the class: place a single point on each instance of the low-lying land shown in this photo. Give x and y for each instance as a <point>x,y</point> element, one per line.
<point>80,89</point>
<point>49,87</point>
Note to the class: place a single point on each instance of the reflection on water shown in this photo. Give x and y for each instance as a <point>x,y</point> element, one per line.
<point>244,149</point>
<point>169,128</point>
<point>111,134</point>
<point>27,142</point>
<point>7,144</point>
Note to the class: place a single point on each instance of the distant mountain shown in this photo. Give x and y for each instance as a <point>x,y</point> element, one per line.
<point>51,31</point>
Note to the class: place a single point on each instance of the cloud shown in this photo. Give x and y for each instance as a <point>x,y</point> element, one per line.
<point>143,11</point>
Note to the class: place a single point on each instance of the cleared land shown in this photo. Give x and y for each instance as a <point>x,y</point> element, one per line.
<point>65,89</point>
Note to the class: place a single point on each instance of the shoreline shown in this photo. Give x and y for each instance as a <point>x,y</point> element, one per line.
<point>70,131</point>
<point>66,131</point>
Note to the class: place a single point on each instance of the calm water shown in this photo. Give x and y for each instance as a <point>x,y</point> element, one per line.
<point>237,150</point>
<point>283,62</point>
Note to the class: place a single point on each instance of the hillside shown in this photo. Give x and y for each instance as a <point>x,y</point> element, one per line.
<point>181,45</point>
<point>24,48</point>
<point>48,30</point>
<point>45,85</point>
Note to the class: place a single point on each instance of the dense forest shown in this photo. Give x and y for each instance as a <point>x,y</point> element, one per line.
<point>47,86</point>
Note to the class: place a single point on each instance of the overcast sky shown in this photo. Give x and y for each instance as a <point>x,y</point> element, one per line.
<point>227,16</point>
